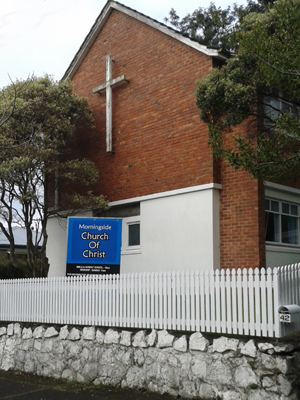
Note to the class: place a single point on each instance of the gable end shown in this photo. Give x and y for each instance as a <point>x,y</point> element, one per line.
<point>104,15</point>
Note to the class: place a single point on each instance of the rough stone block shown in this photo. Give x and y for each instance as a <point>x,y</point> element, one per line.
<point>74,334</point>
<point>181,344</point>
<point>27,333</point>
<point>284,348</point>
<point>39,332</point>
<point>126,338</point>
<point>206,391</point>
<point>223,344</point>
<point>51,332</point>
<point>17,330</point>
<point>170,377</point>
<point>8,363</point>
<point>139,339</point>
<point>245,377</point>
<point>151,339</point>
<point>3,330</point>
<point>10,329</point>
<point>263,395</point>
<point>88,333</point>
<point>268,362</point>
<point>63,333</point>
<point>29,367</point>
<point>266,348</point>
<point>164,339</point>
<point>100,335</point>
<point>199,369</point>
<point>285,387</point>
<point>37,345</point>
<point>231,395</point>
<point>74,349</point>
<point>90,371</point>
<point>67,375</point>
<point>138,357</point>
<point>219,371</point>
<point>249,349</point>
<point>47,346</point>
<point>111,337</point>
<point>198,342</point>
<point>10,345</point>
<point>27,344</point>
<point>284,364</point>
<point>269,382</point>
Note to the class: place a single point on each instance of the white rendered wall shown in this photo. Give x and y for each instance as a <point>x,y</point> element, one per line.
<point>278,256</point>
<point>179,230</point>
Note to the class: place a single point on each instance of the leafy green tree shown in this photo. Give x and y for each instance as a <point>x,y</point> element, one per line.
<point>260,85</point>
<point>213,26</point>
<point>40,117</point>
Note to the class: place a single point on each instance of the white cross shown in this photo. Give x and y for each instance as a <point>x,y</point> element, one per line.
<point>109,82</point>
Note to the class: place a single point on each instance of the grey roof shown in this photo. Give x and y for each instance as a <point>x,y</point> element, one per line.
<point>102,18</point>
<point>19,235</point>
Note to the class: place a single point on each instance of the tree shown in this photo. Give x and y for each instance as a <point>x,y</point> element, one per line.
<point>8,105</point>
<point>214,26</point>
<point>262,81</point>
<point>36,159</point>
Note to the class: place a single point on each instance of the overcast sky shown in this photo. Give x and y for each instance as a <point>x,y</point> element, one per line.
<point>42,36</point>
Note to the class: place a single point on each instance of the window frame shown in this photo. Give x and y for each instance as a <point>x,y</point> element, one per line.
<point>274,104</point>
<point>126,249</point>
<point>281,214</point>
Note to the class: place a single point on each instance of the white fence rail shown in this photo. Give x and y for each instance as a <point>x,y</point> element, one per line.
<point>243,302</point>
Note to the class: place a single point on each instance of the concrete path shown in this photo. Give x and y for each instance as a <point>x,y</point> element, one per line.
<point>17,386</point>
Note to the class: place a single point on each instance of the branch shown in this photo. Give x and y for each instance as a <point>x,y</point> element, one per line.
<point>281,71</point>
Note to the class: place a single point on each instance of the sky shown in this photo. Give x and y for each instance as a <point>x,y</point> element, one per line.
<point>42,36</point>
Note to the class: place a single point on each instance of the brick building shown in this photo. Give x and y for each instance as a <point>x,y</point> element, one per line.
<point>180,207</point>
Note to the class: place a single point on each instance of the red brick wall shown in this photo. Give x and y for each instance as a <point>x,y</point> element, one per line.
<point>159,141</point>
<point>241,214</point>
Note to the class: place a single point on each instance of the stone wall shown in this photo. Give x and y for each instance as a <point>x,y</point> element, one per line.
<point>186,366</point>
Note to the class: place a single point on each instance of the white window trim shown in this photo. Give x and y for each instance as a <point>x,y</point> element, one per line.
<point>282,193</point>
<point>168,193</point>
<point>127,250</point>
<point>274,106</point>
<point>280,213</point>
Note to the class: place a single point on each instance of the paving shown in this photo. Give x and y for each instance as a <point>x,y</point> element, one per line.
<point>16,386</point>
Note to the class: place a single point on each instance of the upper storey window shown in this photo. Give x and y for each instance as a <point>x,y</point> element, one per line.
<point>276,103</point>
<point>281,222</point>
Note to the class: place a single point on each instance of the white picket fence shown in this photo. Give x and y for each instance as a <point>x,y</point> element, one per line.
<point>242,302</point>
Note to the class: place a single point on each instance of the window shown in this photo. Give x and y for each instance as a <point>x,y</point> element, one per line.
<point>134,234</point>
<point>281,222</point>
<point>276,103</point>
<point>131,239</point>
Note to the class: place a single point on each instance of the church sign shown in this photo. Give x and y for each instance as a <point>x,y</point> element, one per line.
<point>94,246</point>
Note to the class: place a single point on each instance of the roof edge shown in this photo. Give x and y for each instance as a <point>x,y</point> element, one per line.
<point>104,15</point>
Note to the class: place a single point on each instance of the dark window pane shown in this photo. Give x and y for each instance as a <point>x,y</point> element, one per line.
<point>272,227</point>
<point>285,208</point>
<point>289,229</point>
<point>294,210</point>
<point>134,235</point>
<point>267,205</point>
<point>275,206</point>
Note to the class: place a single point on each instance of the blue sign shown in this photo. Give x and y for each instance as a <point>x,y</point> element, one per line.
<point>94,246</point>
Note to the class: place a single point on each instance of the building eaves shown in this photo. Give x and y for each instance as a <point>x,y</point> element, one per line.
<point>104,15</point>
